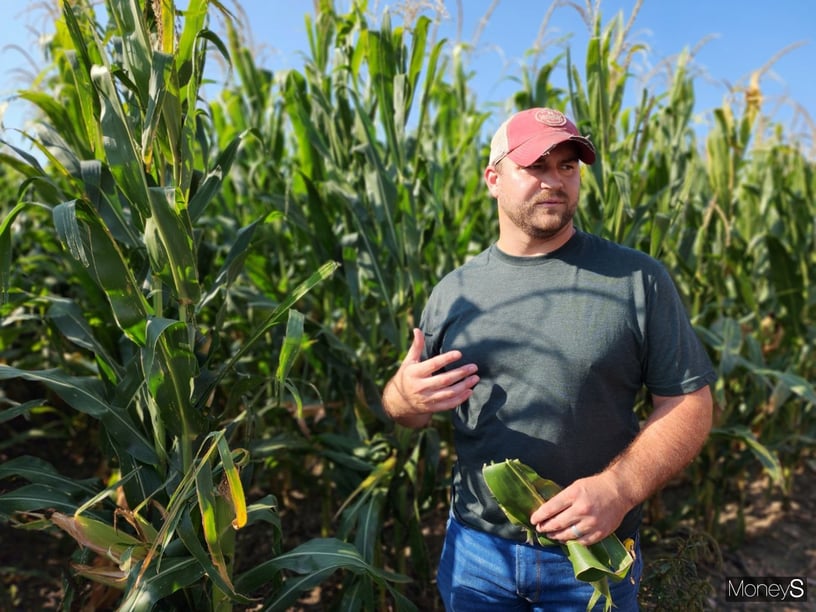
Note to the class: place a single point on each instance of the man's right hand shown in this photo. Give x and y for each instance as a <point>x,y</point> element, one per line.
<point>421,388</point>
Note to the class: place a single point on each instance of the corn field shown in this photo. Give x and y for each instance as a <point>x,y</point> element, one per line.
<point>202,293</point>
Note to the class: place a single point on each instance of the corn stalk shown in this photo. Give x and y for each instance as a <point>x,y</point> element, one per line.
<point>128,175</point>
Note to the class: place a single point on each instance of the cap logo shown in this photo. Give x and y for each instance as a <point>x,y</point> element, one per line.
<point>550,117</point>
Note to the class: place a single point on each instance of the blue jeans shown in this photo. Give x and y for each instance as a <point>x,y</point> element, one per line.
<point>483,572</point>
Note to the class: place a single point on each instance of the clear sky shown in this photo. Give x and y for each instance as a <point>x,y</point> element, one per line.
<point>731,39</point>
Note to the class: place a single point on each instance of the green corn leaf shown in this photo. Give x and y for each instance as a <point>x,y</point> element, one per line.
<point>516,489</point>
<point>286,596</point>
<point>767,457</point>
<point>211,184</point>
<point>87,101</point>
<point>273,319</point>
<point>20,410</point>
<point>5,251</point>
<point>86,395</point>
<point>292,343</point>
<point>787,279</point>
<point>69,319</point>
<point>369,520</point>
<point>136,44</point>
<point>39,471</point>
<point>169,366</point>
<point>519,490</point>
<point>195,18</point>
<point>160,73</point>
<point>31,497</point>
<point>158,582</point>
<point>89,240</point>
<point>317,557</point>
<point>189,536</point>
<point>383,472</point>
<point>123,159</point>
<point>233,263</point>
<point>606,559</point>
<point>322,553</point>
<point>80,32</point>
<point>265,509</point>
<point>169,241</point>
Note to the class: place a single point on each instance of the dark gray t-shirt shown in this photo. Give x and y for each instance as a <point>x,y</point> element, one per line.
<point>564,342</point>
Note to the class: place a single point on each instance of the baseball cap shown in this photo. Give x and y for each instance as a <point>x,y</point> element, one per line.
<point>531,133</point>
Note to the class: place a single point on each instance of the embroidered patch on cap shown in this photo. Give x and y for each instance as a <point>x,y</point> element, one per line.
<point>550,117</point>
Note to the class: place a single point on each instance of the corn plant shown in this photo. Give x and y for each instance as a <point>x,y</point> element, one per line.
<point>372,173</point>
<point>128,176</point>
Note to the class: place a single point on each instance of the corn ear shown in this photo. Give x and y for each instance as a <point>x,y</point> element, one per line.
<point>100,537</point>
<point>109,576</point>
<point>519,490</point>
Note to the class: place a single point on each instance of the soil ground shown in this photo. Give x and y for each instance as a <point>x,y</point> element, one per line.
<point>779,541</point>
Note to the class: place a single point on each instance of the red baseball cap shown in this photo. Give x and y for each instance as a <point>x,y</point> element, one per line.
<point>534,132</point>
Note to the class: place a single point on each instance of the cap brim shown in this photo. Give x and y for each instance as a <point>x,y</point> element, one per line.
<point>528,152</point>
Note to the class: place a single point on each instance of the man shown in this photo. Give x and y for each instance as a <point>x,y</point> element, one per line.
<point>539,347</point>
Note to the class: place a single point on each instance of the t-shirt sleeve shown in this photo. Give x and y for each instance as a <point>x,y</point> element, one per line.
<point>675,361</point>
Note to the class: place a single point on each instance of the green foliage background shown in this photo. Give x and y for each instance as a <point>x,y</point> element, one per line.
<point>206,295</point>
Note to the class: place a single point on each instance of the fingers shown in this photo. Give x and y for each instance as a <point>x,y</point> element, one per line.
<point>426,386</point>
<point>414,354</point>
<point>580,531</point>
<point>450,396</point>
<point>420,388</point>
<point>566,517</point>
<point>551,508</point>
<point>429,367</point>
<point>585,511</point>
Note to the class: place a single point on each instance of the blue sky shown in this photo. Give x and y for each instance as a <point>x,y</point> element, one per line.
<point>732,38</point>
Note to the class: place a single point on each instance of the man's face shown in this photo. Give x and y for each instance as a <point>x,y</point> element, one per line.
<point>537,202</point>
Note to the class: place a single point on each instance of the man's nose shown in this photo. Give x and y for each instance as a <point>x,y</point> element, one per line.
<point>551,180</point>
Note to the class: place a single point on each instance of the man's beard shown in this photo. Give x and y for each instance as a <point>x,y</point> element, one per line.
<point>529,219</point>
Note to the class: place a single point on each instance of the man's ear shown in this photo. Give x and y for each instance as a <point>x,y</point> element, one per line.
<point>491,179</point>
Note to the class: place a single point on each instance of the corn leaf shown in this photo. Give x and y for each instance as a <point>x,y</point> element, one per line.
<point>123,159</point>
<point>766,457</point>
<point>169,241</point>
<point>86,395</point>
<point>236,489</point>
<point>519,490</point>
<point>169,367</point>
<point>35,497</point>
<point>273,319</point>
<point>39,471</point>
<point>319,556</point>
<point>189,536</point>
<point>292,343</point>
<point>5,251</point>
<point>89,240</point>
<point>68,317</point>
<point>175,573</point>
